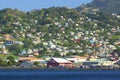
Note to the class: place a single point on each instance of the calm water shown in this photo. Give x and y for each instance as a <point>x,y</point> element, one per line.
<point>37,74</point>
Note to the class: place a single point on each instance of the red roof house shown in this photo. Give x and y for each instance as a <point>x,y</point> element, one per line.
<point>59,62</point>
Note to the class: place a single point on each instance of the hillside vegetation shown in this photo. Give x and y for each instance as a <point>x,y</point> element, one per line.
<point>106,6</point>
<point>58,31</point>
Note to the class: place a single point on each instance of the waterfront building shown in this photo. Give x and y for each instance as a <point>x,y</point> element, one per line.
<point>59,62</point>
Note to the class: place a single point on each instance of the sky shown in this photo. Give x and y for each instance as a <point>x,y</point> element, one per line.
<point>28,5</point>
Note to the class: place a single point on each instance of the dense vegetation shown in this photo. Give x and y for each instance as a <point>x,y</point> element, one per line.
<point>59,31</point>
<point>107,6</point>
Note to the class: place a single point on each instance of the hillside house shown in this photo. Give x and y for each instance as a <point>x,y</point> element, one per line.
<point>8,43</point>
<point>35,52</point>
<point>29,51</point>
<point>18,42</point>
<point>7,37</point>
<point>4,51</point>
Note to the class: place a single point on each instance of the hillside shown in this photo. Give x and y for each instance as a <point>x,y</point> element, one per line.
<point>58,31</point>
<point>107,6</point>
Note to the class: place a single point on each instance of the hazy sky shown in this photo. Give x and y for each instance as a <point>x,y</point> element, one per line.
<point>28,5</point>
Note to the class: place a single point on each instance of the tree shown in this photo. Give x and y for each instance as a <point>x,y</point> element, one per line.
<point>57,54</point>
<point>15,49</point>
<point>36,63</point>
<point>7,30</point>
<point>27,43</point>
<point>11,60</point>
<point>3,63</point>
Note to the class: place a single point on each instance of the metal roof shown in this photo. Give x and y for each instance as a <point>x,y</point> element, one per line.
<point>61,60</point>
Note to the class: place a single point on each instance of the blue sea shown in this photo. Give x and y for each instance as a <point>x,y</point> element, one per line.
<point>49,74</point>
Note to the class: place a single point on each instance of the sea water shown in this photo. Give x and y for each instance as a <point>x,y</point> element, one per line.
<point>48,74</point>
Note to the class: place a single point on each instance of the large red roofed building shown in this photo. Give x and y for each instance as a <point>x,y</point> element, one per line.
<point>59,62</point>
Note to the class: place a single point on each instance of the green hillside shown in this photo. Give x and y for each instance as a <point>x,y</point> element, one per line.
<point>58,31</point>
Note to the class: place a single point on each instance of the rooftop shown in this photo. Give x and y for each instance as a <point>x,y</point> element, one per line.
<point>61,60</point>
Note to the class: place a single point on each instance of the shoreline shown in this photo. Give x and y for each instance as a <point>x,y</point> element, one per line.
<point>57,69</point>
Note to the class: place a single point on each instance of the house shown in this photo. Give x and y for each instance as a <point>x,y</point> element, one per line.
<point>90,63</point>
<point>26,64</point>
<point>76,59</point>
<point>18,42</point>
<point>36,41</point>
<point>8,43</point>
<point>1,45</point>
<point>106,62</point>
<point>117,43</point>
<point>31,59</point>
<point>59,62</point>
<point>4,51</point>
<point>29,51</point>
<point>23,52</point>
<point>1,42</point>
<point>63,53</point>
<point>114,30</point>
<point>35,52</point>
<point>7,37</point>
